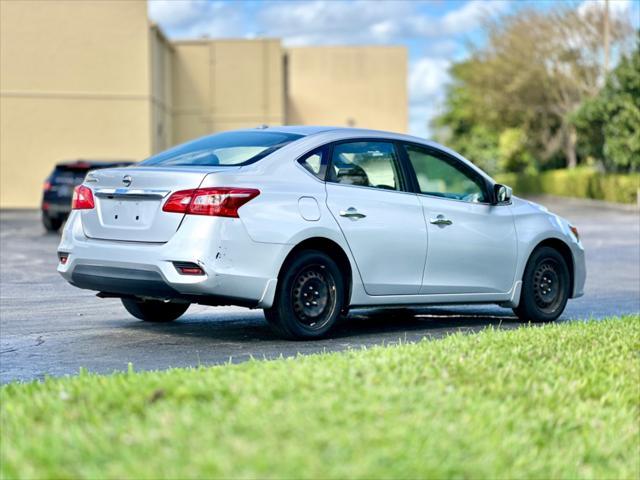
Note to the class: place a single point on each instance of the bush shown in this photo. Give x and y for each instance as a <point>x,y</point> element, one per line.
<point>579,182</point>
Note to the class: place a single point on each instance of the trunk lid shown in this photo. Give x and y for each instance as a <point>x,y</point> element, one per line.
<point>128,201</point>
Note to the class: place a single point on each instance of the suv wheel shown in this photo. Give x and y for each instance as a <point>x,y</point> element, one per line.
<point>309,297</point>
<point>51,224</point>
<point>155,311</point>
<point>545,287</point>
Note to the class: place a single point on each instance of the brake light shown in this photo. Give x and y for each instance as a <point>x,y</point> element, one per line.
<point>215,201</point>
<point>82,198</point>
<point>46,186</point>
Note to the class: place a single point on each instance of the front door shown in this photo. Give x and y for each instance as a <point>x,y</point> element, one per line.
<point>383,224</point>
<point>472,243</point>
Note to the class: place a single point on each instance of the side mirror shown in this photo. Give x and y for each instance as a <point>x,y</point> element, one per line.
<point>502,193</point>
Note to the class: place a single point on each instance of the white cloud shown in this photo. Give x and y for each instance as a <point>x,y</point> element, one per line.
<point>172,14</point>
<point>427,76</point>
<point>333,22</point>
<point>618,8</point>
<point>427,80</point>
<point>469,16</point>
<point>197,18</point>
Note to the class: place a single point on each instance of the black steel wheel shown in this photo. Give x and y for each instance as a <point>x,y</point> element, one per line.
<point>309,297</point>
<point>545,286</point>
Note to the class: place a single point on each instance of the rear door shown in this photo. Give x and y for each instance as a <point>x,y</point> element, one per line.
<point>382,223</point>
<point>129,202</point>
<point>472,243</point>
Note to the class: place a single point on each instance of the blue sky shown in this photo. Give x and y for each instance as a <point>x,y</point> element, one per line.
<point>436,32</point>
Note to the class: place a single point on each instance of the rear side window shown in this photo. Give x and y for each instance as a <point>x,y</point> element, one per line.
<point>223,149</point>
<point>315,162</point>
<point>366,164</point>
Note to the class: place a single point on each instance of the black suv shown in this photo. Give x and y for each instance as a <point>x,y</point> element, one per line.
<point>58,189</point>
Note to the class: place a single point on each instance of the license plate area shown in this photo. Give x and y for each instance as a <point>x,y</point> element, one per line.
<point>128,213</point>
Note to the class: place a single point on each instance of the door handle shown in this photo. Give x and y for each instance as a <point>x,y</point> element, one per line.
<point>440,220</point>
<point>352,212</point>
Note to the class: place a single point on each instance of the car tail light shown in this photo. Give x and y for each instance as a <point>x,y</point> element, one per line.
<point>215,201</point>
<point>63,257</point>
<point>82,198</point>
<point>46,186</point>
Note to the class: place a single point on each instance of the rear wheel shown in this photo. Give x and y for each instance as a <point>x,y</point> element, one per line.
<point>51,224</point>
<point>545,287</point>
<point>155,311</point>
<point>309,297</point>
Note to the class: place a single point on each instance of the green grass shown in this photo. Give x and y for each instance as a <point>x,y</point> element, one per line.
<point>559,401</point>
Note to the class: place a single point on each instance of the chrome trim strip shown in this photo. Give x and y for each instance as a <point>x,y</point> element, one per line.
<point>130,193</point>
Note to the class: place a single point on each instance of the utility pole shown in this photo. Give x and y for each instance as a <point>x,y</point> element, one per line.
<point>606,36</point>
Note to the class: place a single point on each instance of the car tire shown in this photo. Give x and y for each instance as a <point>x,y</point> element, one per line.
<point>51,224</point>
<point>545,287</point>
<point>309,297</point>
<point>155,311</point>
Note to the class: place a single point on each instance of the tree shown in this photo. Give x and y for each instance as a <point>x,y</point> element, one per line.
<point>608,125</point>
<point>534,72</point>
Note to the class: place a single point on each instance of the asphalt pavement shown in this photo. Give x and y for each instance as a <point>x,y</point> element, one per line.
<point>49,328</point>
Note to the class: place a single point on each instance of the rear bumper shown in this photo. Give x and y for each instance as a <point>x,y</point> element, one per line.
<point>127,282</point>
<point>238,271</point>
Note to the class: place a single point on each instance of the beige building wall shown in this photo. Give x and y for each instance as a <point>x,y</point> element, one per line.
<point>162,57</point>
<point>74,83</point>
<point>363,87</point>
<point>226,84</point>
<point>93,79</point>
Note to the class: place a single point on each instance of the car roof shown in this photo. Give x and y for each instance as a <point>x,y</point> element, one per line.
<point>307,130</point>
<point>303,130</point>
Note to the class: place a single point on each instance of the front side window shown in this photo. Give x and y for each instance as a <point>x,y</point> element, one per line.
<point>444,177</point>
<point>223,149</point>
<point>366,164</point>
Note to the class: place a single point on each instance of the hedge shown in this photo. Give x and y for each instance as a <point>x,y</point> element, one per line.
<point>578,182</point>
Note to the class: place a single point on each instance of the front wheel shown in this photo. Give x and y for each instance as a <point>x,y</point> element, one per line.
<point>545,287</point>
<point>309,297</point>
<point>155,311</point>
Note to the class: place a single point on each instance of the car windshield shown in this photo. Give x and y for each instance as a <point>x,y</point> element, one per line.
<point>68,176</point>
<point>223,149</point>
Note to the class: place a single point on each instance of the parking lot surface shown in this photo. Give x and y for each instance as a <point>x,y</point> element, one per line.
<point>48,327</point>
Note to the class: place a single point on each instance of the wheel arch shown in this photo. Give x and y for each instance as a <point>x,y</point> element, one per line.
<point>563,249</point>
<point>330,248</point>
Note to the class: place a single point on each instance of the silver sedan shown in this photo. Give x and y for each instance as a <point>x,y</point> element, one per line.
<point>306,222</point>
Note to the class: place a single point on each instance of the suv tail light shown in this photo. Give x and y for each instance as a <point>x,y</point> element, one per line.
<point>82,198</point>
<point>215,201</point>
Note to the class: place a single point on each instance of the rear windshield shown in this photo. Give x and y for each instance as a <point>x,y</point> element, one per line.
<point>68,176</point>
<point>223,149</point>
